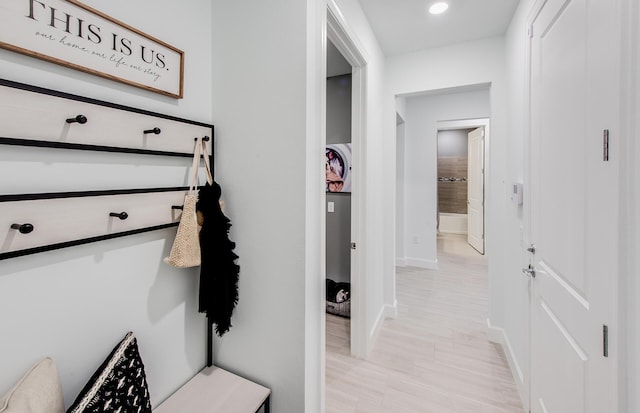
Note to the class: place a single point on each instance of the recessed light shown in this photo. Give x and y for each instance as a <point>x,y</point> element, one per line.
<point>438,8</point>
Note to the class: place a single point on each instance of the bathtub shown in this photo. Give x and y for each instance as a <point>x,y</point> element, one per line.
<point>453,223</point>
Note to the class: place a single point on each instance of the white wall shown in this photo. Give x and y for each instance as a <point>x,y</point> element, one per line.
<point>259,104</point>
<point>448,67</point>
<point>455,142</point>
<point>515,308</point>
<point>76,304</point>
<point>338,233</point>
<point>421,165</point>
<point>263,74</point>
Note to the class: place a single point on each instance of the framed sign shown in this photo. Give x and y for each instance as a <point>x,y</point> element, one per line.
<point>72,34</point>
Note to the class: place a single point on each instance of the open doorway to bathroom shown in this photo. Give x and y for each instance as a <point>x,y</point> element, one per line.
<point>461,176</point>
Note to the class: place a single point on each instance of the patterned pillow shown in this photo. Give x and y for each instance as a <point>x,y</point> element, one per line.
<point>118,386</point>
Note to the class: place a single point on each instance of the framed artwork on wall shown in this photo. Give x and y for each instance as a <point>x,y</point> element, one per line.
<point>338,167</point>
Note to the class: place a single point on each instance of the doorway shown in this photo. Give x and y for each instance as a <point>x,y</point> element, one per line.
<point>461,179</point>
<point>338,186</point>
<point>338,36</point>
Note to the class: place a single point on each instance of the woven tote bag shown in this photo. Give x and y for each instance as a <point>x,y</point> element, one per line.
<point>185,251</point>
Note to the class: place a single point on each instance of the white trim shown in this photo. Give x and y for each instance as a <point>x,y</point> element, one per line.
<point>401,262</point>
<point>628,287</point>
<point>420,263</point>
<point>375,330</point>
<point>391,311</point>
<point>342,37</point>
<point>463,124</point>
<point>497,335</point>
<point>315,217</point>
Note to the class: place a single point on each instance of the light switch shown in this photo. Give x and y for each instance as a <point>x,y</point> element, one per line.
<point>330,207</point>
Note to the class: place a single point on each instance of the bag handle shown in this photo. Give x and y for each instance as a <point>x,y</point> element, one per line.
<point>207,165</point>
<point>193,181</point>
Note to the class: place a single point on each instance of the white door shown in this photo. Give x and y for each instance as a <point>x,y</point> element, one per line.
<point>475,190</point>
<point>574,205</point>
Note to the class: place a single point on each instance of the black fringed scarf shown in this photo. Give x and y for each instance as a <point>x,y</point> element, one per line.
<point>218,270</point>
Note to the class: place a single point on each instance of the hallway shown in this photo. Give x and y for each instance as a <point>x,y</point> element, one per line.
<point>435,357</point>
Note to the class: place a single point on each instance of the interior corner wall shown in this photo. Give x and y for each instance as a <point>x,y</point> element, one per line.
<point>75,304</point>
<point>421,155</point>
<point>400,195</point>
<point>260,108</point>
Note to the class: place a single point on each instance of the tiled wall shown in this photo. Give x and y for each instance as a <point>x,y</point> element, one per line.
<point>452,195</point>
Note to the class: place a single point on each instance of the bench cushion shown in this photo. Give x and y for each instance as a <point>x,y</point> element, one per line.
<point>216,390</point>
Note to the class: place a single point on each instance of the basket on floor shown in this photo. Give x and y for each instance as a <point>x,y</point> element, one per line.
<point>342,309</point>
<point>339,298</point>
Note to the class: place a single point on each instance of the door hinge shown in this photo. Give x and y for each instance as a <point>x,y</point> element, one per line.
<point>605,340</point>
<point>605,145</point>
<point>530,32</point>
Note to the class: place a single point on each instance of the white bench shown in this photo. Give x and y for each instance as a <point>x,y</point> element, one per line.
<point>215,390</point>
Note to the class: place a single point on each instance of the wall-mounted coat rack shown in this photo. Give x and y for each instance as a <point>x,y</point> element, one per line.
<point>36,117</point>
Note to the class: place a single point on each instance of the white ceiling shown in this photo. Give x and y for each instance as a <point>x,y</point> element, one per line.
<point>405,26</point>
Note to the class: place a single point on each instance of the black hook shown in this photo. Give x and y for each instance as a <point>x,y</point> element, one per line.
<point>122,215</point>
<point>81,119</point>
<point>177,206</point>
<point>23,228</point>
<point>155,131</point>
<point>204,138</point>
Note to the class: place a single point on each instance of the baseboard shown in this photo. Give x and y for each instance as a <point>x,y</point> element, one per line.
<point>420,263</point>
<point>391,311</point>
<point>498,335</point>
<point>401,262</point>
<point>453,231</point>
<point>375,330</point>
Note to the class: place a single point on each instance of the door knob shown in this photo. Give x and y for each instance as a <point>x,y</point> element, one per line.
<point>529,271</point>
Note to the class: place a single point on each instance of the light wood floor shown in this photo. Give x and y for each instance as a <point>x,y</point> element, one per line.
<point>435,357</point>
